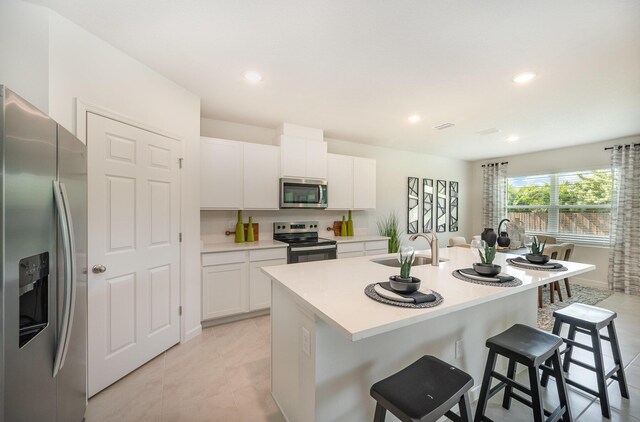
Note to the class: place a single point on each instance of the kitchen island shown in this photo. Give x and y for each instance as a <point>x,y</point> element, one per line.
<point>330,342</point>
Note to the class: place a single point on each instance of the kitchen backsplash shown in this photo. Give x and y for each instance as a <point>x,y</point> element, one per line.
<point>213,224</point>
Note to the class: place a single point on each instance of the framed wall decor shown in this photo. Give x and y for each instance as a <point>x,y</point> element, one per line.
<point>441,206</point>
<point>413,209</point>
<point>453,206</point>
<point>427,205</point>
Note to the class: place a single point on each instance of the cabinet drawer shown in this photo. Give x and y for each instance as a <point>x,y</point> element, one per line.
<point>219,258</point>
<point>351,247</point>
<point>266,254</point>
<point>377,252</point>
<point>354,254</point>
<point>376,244</point>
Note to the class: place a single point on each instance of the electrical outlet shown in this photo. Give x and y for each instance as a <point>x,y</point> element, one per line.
<point>306,340</point>
<point>459,349</point>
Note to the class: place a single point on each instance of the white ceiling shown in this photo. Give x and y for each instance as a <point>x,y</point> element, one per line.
<point>359,68</point>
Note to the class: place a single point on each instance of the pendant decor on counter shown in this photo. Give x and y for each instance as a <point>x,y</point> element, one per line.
<point>413,211</point>
<point>427,205</point>
<point>453,206</point>
<point>239,228</point>
<point>250,237</point>
<point>503,236</point>
<point>349,225</point>
<point>343,228</point>
<point>441,206</point>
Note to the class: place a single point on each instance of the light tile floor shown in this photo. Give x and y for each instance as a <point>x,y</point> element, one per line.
<point>223,375</point>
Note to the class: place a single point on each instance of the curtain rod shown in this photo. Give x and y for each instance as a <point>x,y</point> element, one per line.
<point>495,164</point>
<point>621,146</point>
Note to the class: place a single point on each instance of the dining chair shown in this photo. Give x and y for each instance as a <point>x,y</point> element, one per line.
<point>566,256</point>
<point>458,241</point>
<point>549,239</point>
<point>553,252</point>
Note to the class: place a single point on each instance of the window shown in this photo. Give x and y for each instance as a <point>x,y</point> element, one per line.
<point>573,206</point>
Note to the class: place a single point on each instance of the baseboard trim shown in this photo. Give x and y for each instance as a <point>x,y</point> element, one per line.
<point>192,333</point>
<point>233,318</point>
<point>589,283</point>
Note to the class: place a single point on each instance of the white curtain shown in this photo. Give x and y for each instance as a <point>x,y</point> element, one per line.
<point>494,194</point>
<point>624,255</point>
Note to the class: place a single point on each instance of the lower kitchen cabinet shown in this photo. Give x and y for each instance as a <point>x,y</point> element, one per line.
<point>232,282</point>
<point>355,249</point>
<point>224,290</point>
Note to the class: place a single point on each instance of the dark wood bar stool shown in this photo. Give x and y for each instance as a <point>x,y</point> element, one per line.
<point>530,347</point>
<point>590,320</point>
<point>424,391</point>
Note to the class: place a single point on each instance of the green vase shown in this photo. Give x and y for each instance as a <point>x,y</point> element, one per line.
<point>350,226</point>
<point>343,228</point>
<point>250,237</point>
<point>239,228</point>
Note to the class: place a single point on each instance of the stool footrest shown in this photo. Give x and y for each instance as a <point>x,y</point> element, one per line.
<point>573,343</point>
<point>582,364</point>
<point>588,332</point>
<point>581,387</point>
<point>511,383</point>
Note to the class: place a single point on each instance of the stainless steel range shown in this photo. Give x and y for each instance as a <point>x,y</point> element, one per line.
<point>304,243</point>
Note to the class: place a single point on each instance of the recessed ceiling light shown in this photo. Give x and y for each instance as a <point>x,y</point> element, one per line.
<point>414,118</point>
<point>523,78</point>
<point>253,76</point>
<point>513,138</point>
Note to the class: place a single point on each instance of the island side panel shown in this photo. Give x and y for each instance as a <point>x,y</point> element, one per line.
<point>292,369</point>
<point>345,370</point>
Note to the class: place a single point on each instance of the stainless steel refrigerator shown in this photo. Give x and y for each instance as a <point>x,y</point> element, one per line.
<point>43,258</point>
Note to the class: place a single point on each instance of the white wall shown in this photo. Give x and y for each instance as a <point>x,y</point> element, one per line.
<point>84,67</point>
<point>590,156</point>
<point>24,46</point>
<point>393,169</point>
<point>52,62</point>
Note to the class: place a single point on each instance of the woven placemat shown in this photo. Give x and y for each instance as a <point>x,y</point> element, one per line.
<point>533,266</point>
<point>371,293</point>
<point>513,283</point>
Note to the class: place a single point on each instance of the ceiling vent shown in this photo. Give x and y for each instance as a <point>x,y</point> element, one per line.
<point>444,126</point>
<point>488,131</point>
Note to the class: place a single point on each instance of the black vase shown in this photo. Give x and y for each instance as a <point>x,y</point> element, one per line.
<point>489,236</point>
<point>504,240</point>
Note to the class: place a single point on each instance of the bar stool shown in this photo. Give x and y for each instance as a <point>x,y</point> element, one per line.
<point>590,320</point>
<point>530,347</point>
<point>424,391</point>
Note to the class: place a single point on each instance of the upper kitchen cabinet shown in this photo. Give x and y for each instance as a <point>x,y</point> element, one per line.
<point>220,174</point>
<point>364,183</point>
<point>261,177</point>
<point>303,158</point>
<point>351,182</point>
<point>238,175</point>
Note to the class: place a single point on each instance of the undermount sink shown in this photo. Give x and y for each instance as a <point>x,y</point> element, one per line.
<point>393,262</point>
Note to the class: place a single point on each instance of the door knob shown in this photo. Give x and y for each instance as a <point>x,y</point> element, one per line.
<point>97,269</point>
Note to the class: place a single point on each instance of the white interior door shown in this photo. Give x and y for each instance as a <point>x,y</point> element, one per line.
<point>134,225</point>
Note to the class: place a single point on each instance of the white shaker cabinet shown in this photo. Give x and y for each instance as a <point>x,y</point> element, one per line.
<point>303,158</point>
<point>221,181</point>
<point>238,175</point>
<point>340,182</point>
<point>261,177</point>
<point>351,182</point>
<point>364,183</point>
<point>224,290</point>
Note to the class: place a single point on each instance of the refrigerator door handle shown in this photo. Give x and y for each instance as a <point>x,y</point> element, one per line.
<point>73,282</point>
<point>66,247</point>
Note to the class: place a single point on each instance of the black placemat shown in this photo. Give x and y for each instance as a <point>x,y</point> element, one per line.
<point>371,293</point>
<point>526,265</point>
<point>513,283</point>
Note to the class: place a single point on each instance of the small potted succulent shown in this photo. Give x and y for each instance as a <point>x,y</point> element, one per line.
<point>405,282</point>
<point>537,252</point>
<point>486,266</point>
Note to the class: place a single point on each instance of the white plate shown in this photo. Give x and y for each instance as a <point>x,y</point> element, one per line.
<point>393,296</point>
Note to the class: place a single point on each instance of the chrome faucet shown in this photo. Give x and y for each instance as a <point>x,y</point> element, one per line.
<point>433,242</point>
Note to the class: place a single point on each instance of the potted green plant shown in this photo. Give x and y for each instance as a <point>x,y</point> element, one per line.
<point>537,255</point>
<point>388,226</point>
<point>486,266</point>
<point>405,282</point>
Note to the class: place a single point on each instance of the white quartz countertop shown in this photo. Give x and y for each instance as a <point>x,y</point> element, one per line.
<point>229,246</point>
<point>334,290</point>
<point>351,239</point>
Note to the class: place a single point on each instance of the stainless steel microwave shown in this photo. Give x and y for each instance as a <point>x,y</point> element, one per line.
<point>303,193</point>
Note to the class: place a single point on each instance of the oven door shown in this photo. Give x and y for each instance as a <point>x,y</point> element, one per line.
<point>298,254</point>
<point>303,193</point>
